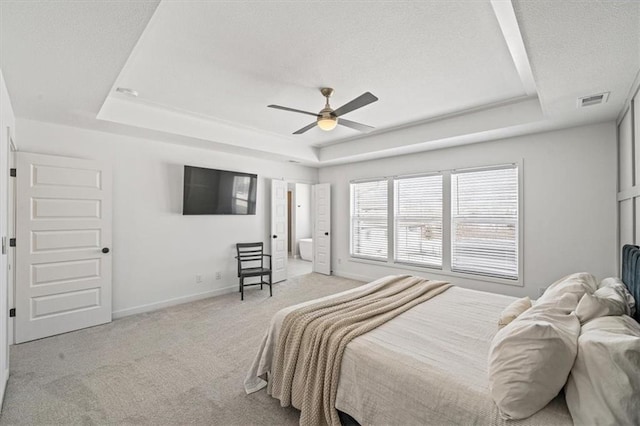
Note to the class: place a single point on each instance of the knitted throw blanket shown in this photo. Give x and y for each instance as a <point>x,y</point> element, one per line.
<point>308,355</point>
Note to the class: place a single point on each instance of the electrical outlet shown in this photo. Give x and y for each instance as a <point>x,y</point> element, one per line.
<point>218,275</point>
<point>198,279</point>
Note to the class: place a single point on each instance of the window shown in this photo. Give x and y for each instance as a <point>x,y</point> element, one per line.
<point>418,220</point>
<point>484,222</point>
<point>458,221</point>
<point>369,219</point>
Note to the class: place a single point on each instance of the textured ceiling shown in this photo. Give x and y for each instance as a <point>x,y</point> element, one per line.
<point>228,60</point>
<point>579,49</point>
<point>59,58</point>
<point>206,70</point>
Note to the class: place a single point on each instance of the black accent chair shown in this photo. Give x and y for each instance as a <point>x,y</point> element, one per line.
<point>251,264</point>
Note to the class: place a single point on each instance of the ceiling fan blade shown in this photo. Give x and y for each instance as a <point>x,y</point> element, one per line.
<point>357,126</point>
<point>305,128</point>
<point>292,110</point>
<point>359,102</point>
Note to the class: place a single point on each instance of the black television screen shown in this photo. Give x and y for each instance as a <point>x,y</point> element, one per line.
<point>210,191</point>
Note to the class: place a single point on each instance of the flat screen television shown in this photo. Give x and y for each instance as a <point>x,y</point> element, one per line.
<point>211,191</point>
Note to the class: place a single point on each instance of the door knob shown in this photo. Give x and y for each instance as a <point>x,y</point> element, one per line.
<point>275,236</point>
<point>105,250</point>
<point>326,233</point>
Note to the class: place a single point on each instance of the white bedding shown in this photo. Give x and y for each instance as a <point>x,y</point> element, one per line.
<point>427,366</point>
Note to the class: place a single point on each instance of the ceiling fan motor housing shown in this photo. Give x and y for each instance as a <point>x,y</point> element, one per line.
<point>327,113</point>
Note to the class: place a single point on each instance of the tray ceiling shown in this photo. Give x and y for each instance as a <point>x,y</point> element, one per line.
<point>446,73</point>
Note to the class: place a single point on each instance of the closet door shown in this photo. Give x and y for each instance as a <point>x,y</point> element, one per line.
<point>63,245</point>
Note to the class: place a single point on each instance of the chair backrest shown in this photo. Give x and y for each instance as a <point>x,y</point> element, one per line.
<point>249,255</point>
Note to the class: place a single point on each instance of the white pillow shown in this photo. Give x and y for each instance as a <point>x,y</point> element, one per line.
<point>530,359</point>
<point>512,311</point>
<point>604,385</point>
<point>605,301</point>
<point>619,286</point>
<point>576,284</point>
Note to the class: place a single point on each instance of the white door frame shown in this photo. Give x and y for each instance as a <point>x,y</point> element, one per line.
<point>11,279</point>
<point>5,230</point>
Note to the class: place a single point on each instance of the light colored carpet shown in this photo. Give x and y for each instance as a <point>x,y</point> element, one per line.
<point>180,365</point>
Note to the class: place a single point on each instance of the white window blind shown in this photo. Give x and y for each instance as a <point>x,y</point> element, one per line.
<point>484,222</point>
<point>418,220</point>
<point>369,226</point>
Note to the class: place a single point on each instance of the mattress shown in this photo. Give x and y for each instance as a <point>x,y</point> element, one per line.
<point>426,366</point>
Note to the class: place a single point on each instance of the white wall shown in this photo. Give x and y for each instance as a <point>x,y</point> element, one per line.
<point>569,194</point>
<point>7,127</point>
<point>302,205</point>
<point>569,208</point>
<point>156,251</point>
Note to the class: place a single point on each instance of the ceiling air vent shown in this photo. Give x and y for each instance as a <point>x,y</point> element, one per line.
<point>600,98</point>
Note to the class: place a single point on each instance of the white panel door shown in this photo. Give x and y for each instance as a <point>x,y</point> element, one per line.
<point>322,228</point>
<point>63,241</point>
<point>278,230</point>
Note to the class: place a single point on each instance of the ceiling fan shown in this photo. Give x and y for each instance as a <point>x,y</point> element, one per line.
<point>327,119</point>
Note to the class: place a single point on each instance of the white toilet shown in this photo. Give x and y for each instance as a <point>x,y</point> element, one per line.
<point>306,248</point>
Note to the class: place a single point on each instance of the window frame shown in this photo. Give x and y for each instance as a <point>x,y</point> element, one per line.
<point>445,269</point>
<point>394,207</point>
<point>489,218</point>
<point>351,219</point>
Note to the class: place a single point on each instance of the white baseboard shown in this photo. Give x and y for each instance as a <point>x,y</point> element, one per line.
<point>171,302</point>
<point>351,276</point>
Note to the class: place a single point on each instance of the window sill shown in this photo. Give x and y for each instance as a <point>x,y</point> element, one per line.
<point>438,271</point>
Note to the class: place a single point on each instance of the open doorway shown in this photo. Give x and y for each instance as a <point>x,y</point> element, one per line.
<point>300,242</point>
<point>290,234</point>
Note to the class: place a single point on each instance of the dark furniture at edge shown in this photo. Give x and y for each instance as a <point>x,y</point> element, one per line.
<point>251,264</point>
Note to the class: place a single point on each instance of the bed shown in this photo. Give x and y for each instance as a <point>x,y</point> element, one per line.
<point>427,365</point>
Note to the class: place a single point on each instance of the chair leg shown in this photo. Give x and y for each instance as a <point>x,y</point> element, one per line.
<point>242,288</point>
<point>261,281</point>
<point>270,283</point>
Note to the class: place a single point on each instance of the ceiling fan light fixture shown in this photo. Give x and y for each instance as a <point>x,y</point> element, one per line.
<point>327,119</point>
<point>327,123</point>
